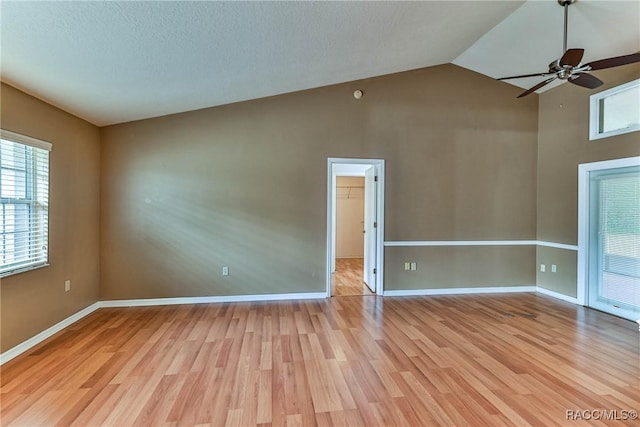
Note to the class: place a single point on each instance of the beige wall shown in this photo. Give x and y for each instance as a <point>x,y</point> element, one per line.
<point>349,217</point>
<point>564,279</point>
<point>460,267</point>
<point>460,153</point>
<point>244,185</point>
<point>563,144</point>
<point>33,301</point>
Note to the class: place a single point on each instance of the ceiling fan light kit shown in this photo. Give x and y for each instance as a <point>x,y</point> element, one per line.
<point>569,67</point>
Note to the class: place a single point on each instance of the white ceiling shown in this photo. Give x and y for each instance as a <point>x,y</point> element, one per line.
<point>112,62</point>
<point>528,40</point>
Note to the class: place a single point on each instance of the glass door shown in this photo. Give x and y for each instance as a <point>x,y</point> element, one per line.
<point>614,236</point>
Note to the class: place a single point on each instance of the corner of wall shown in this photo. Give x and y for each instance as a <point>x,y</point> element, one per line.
<point>33,301</point>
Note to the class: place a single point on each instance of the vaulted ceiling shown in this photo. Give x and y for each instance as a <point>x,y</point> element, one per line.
<point>112,62</point>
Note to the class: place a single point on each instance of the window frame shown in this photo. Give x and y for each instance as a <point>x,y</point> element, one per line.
<point>31,174</point>
<point>595,112</point>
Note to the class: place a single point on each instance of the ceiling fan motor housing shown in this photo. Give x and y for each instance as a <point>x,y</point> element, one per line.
<point>561,71</point>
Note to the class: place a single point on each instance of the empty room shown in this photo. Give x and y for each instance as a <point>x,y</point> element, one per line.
<point>320,213</point>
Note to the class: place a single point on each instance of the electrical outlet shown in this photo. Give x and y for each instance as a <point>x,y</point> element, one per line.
<point>407,266</point>
<point>543,268</point>
<point>414,266</point>
<point>225,271</point>
<point>554,268</point>
<point>67,285</point>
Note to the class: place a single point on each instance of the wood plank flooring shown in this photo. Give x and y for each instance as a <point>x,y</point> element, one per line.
<point>348,278</point>
<point>484,360</point>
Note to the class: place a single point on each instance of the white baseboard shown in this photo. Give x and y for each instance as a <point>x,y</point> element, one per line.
<point>460,291</point>
<point>556,295</point>
<point>37,339</point>
<point>208,300</point>
<point>487,290</point>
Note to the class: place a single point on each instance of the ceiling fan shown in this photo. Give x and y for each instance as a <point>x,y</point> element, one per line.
<point>568,67</point>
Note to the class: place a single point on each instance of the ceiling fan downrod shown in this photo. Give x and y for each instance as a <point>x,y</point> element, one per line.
<point>565,4</point>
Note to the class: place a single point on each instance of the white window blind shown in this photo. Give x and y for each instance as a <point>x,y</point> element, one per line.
<point>24,202</point>
<point>619,232</point>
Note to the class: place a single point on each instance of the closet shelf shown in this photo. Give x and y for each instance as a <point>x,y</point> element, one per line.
<point>349,192</point>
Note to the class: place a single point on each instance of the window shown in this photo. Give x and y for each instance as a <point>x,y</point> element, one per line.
<point>24,203</point>
<point>615,111</point>
<point>614,264</point>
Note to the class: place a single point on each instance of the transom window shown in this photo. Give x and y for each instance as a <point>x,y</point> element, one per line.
<point>24,203</point>
<point>615,111</point>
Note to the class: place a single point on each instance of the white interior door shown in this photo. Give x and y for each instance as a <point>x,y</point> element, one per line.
<point>370,222</point>
<point>614,242</point>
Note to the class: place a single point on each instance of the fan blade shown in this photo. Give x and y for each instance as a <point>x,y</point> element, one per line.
<point>616,61</point>
<point>585,80</point>
<point>572,57</point>
<point>536,87</point>
<point>525,75</point>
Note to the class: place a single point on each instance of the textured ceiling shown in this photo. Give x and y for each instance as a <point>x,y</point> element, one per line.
<point>112,62</point>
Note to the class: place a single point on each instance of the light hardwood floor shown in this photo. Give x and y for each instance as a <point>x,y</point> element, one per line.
<point>348,278</point>
<point>484,360</point>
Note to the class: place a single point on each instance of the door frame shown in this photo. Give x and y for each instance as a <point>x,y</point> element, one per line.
<point>584,203</point>
<point>332,162</point>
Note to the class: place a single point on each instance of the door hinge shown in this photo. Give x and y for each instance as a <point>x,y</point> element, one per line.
<point>375,224</point>
<point>375,271</point>
<point>375,178</point>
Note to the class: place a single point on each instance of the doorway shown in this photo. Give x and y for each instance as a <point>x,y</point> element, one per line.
<point>355,226</point>
<point>348,275</point>
<point>609,240</point>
